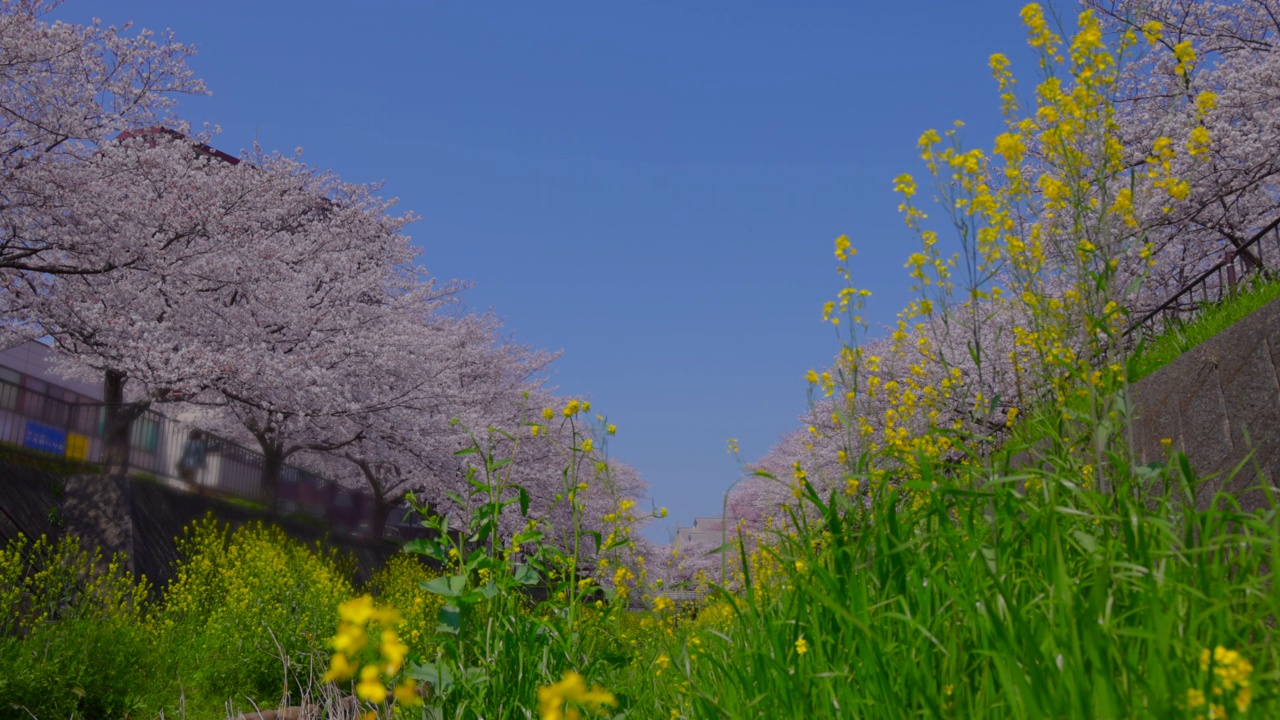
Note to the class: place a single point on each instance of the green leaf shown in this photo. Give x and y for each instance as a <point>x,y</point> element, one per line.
<point>526,575</point>
<point>465,451</point>
<point>524,501</point>
<point>449,586</point>
<point>425,547</point>
<point>1087,541</point>
<point>475,676</point>
<point>529,537</point>
<point>450,620</point>
<point>438,674</point>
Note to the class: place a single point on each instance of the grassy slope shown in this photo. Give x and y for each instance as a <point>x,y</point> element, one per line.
<point>1179,337</point>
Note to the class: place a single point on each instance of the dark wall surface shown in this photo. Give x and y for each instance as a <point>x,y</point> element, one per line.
<point>30,502</point>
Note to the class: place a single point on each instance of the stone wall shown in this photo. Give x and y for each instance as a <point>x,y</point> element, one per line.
<point>1219,403</point>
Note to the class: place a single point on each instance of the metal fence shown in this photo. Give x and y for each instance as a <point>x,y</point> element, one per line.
<point>183,456</point>
<point>1212,284</point>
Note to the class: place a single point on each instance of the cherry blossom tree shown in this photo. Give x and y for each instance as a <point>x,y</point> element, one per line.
<point>1216,71</point>
<point>66,89</point>
<point>266,290</point>
<point>452,373</point>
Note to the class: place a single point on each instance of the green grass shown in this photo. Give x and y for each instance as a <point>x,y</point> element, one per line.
<point>1179,336</point>
<point>1036,589</point>
<point>46,461</point>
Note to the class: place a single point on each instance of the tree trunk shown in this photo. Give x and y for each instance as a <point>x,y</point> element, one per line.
<point>272,464</point>
<point>119,418</point>
<point>381,508</point>
<point>381,511</point>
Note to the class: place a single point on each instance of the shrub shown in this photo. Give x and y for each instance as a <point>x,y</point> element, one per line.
<point>71,638</point>
<point>247,613</point>
<point>398,583</point>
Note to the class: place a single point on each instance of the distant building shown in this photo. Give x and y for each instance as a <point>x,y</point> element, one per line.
<point>30,365</point>
<point>704,530</point>
<point>42,410</point>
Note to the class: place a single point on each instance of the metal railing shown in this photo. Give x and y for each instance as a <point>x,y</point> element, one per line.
<point>181,455</point>
<point>1212,284</point>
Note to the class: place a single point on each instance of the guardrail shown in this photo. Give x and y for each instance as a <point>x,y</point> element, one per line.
<point>181,455</point>
<point>1214,283</point>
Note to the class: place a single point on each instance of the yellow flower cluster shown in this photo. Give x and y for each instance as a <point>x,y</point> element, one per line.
<point>398,584</point>
<point>360,617</point>
<point>1230,682</point>
<point>622,578</point>
<point>1073,200</point>
<point>563,700</point>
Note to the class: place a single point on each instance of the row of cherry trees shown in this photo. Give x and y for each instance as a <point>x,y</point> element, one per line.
<point>1212,82</point>
<point>259,296</point>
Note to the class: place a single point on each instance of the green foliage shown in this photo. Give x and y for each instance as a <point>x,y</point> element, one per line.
<point>1034,593</point>
<point>247,617</point>
<point>247,612</point>
<point>497,645</point>
<point>71,634</point>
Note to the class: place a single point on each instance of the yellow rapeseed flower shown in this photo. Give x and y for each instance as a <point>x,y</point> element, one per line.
<point>370,686</point>
<point>843,250</point>
<point>1186,55</point>
<point>340,669</point>
<point>1152,31</point>
<point>553,699</point>
<point>406,693</point>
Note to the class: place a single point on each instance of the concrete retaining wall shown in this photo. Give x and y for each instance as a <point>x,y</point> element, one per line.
<point>1218,403</point>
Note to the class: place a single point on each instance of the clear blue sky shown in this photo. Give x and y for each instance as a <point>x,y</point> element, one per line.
<point>651,187</point>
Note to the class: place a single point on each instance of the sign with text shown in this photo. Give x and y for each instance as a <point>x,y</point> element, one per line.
<point>45,439</point>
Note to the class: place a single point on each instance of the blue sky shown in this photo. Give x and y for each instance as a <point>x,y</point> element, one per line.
<point>652,188</point>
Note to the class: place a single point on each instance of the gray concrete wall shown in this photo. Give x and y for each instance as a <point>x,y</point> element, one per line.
<point>1218,403</point>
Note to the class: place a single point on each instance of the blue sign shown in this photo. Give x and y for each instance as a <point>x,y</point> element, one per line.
<point>45,438</point>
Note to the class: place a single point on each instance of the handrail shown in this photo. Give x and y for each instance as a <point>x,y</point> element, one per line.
<point>1227,262</point>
